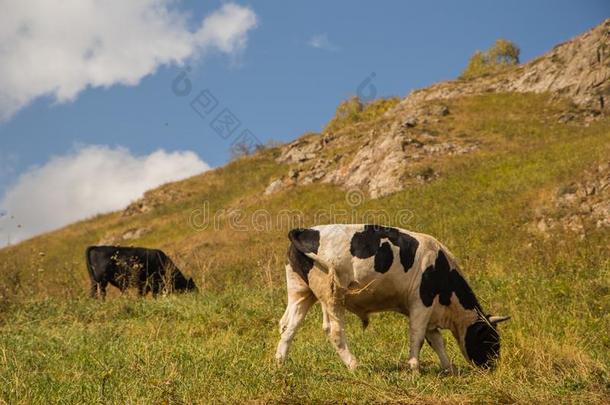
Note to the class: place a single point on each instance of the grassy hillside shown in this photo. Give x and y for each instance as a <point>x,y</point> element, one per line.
<point>56,345</point>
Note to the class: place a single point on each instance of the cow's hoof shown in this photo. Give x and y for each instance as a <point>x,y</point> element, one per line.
<point>451,370</point>
<point>279,360</point>
<point>414,366</point>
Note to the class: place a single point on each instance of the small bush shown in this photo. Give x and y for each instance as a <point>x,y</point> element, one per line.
<point>502,55</point>
<point>241,149</point>
<point>353,110</point>
<point>269,144</point>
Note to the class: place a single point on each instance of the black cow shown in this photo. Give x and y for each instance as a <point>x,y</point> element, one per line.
<point>124,267</point>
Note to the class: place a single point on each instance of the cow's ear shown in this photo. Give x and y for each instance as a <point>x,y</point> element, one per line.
<point>495,319</point>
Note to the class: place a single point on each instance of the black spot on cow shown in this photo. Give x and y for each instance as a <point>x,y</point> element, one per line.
<point>300,263</point>
<point>440,279</point>
<point>408,248</point>
<point>482,344</point>
<point>302,241</point>
<point>462,290</point>
<point>367,243</point>
<point>384,258</point>
<point>305,240</point>
<point>435,281</point>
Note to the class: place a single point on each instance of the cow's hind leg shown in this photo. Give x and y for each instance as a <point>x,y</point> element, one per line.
<point>295,314</point>
<point>336,319</point>
<point>435,340</point>
<point>300,300</point>
<point>93,288</point>
<point>325,319</point>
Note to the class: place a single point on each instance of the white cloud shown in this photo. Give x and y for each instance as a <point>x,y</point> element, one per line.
<point>90,180</point>
<point>226,29</point>
<point>61,47</point>
<point>321,41</point>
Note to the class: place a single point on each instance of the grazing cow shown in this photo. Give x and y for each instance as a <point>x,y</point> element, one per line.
<point>124,267</point>
<point>371,268</point>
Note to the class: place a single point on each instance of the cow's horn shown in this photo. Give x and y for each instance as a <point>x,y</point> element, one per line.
<point>498,319</point>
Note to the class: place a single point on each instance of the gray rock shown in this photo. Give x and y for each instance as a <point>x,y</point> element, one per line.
<point>441,110</point>
<point>274,187</point>
<point>412,142</point>
<point>293,173</point>
<point>542,226</point>
<point>410,122</point>
<point>301,150</point>
<point>565,118</point>
<point>318,174</point>
<point>135,233</point>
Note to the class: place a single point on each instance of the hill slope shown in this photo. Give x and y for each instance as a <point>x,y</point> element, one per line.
<point>473,168</point>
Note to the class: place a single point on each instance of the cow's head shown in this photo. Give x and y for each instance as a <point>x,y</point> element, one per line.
<point>482,341</point>
<point>190,285</point>
<point>182,283</point>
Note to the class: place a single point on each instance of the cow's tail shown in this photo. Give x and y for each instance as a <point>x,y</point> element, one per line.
<point>90,268</point>
<point>326,267</point>
<point>92,279</point>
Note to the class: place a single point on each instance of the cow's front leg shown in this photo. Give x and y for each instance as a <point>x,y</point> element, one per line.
<point>156,288</point>
<point>435,340</point>
<point>418,325</point>
<point>336,319</point>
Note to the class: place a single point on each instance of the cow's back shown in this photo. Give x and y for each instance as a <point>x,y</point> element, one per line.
<point>380,267</point>
<point>407,251</point>
<point>106,261</point>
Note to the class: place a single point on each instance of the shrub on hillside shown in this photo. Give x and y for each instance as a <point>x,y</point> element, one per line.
<point>241,149</point>
<point>501,55</point>
<point>353,110</point>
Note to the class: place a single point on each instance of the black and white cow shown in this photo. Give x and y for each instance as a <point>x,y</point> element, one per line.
<point>370,268</point>
<point>124,267</point>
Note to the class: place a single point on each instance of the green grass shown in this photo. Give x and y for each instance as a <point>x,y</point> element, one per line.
<point>217,346</point>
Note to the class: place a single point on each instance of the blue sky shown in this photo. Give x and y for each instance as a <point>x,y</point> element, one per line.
<point>300,60</point>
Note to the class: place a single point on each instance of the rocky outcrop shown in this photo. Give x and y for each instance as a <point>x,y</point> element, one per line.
<point>388,163</point>
<point>154,198</point>
<point>579,206</point>
<point>386,159</point>
<point>578,69</point>
<point>302,150</point>
<point>394,155</point>
<point>122,237</point>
